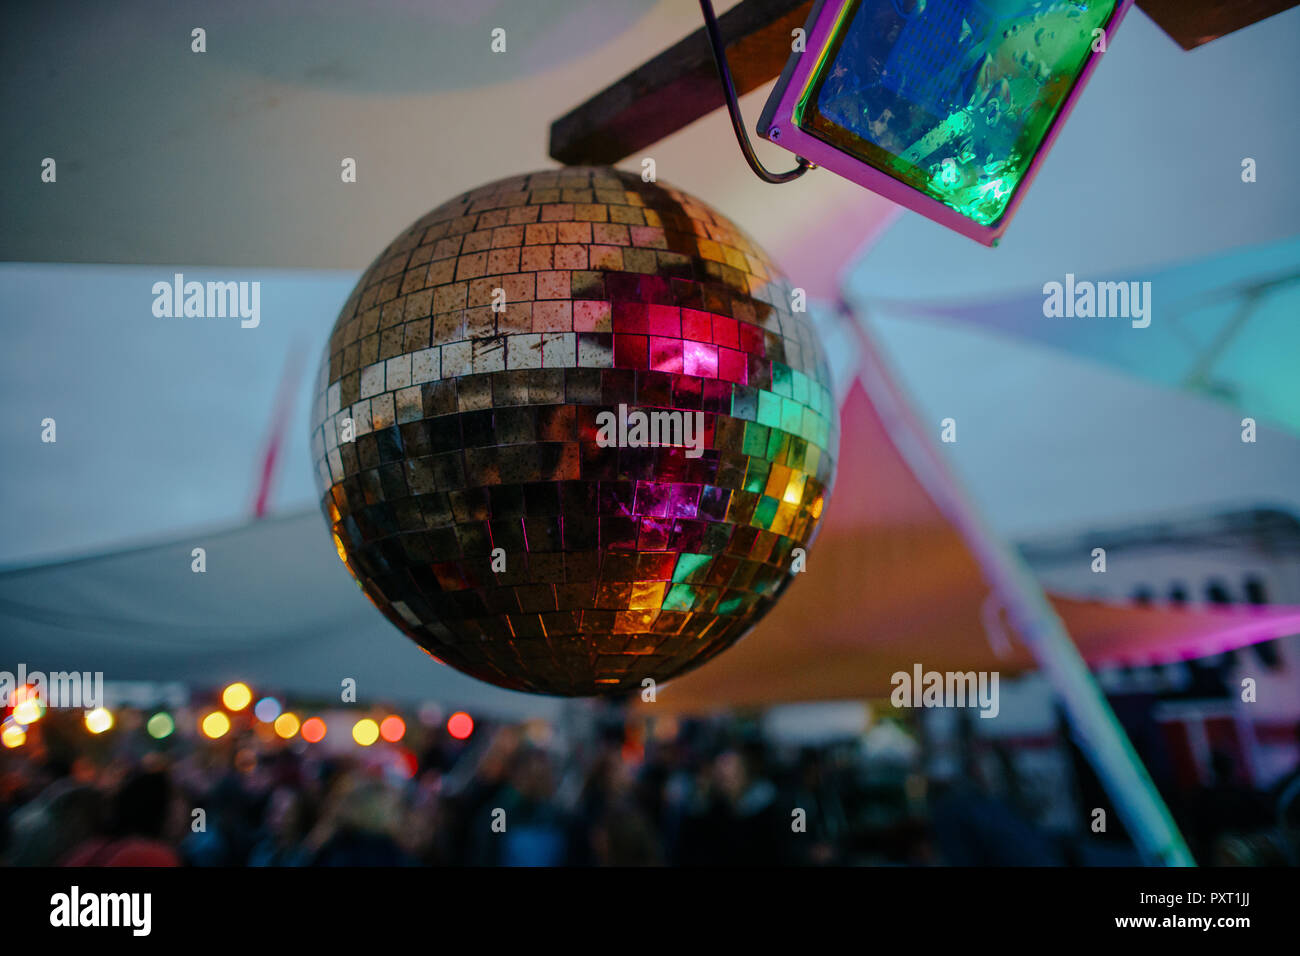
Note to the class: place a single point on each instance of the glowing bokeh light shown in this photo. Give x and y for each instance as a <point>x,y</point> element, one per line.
<point>286,725</point>
<point>365,731</point>
<point>160,725</point>
<point>237,696</point>
<point>28,711</point>
<point>99,720</point>
<point>267,709</point>
<point>13,734</point>
<point>215,724</point>
<point>460,725</point>
<point>392,728</point>
<point>313,730</point>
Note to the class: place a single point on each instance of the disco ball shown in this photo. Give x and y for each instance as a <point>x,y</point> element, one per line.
<point>495,443</point>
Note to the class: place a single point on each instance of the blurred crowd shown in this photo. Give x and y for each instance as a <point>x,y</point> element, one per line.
<point>700,793</point>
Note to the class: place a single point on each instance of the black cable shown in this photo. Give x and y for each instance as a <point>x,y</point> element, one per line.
<point>733,105</point>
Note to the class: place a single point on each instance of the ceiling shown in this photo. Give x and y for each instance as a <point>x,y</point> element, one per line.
<point>232,157</point>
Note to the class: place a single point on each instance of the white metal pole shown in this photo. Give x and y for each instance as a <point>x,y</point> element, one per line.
<point>1092,721</point>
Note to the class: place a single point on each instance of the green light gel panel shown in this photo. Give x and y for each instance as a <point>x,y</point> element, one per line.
<point>944,106</point>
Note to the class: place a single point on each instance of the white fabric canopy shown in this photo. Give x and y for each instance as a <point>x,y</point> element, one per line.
<point>275,608</point>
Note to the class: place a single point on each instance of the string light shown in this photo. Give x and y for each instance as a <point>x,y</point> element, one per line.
<point>365,732</point>
<point>286,725</point>
<point>215,724</point>
<point>13,735</point>
<point>392,728</point>
<point>460,725</point>
<point>28,710</point>
<point>267,709</point>
<point>99,720</point>
<point>160,725</point>
<point>237,696</point>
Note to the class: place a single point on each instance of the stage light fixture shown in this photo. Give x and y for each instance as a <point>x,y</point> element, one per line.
<point>946,107</point>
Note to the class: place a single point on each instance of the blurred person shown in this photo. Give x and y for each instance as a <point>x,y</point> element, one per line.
<point>733,819</point>
<point>653,782</point>
<point>607,783</point>
<point>288,821</point>
<point>975,826</point>
<point>534,833</point>
<point>679,795</point>
<point>1225,812</point>
<point>625,837</point>
<point>472,788</point>
<point>422,828</point>
<point>231,816</point>
<point>827,823</point>
<point>359,829</point>
<point>64,816</point>
<point>1284,801</point>
<point>141,809</point>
